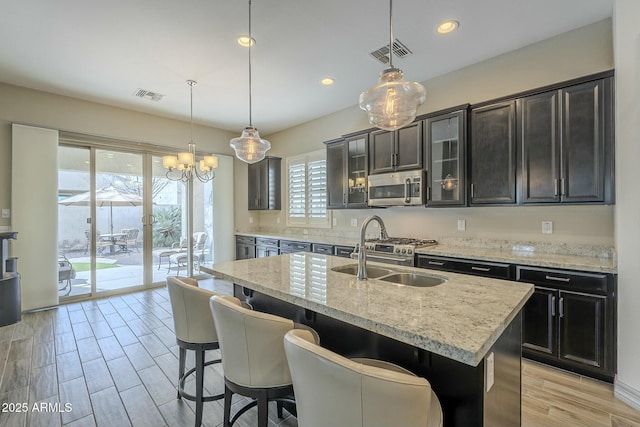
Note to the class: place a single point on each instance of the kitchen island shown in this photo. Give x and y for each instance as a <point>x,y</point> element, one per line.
<point>462,335</point>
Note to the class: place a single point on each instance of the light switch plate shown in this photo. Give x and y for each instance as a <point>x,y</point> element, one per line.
<point>6,213</point>
<point>547,227</point>
<point>250,220</point>
<point>335,221</point>
<point>354,222</point>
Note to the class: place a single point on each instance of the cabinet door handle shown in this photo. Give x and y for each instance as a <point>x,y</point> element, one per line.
<point>555,187</point>
<point>561,307</point>
<point>480,268</point>
<point>558,279</point>
<point>393,159</point>
<point>428,193</point>
<point>472,192</point>
<point>553,306</point>
<point>563,184</point>
<point>436,263</point>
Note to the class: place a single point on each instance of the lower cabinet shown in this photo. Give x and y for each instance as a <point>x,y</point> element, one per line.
<point>288,247</point>
<point>245,247</point>
<point>495,270</point>
<point>266,247</point>
<point>570,320</point>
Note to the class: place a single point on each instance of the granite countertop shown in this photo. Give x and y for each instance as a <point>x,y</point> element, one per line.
<point>460,319</point>
<point>592,258</point>
<point>524,256</point>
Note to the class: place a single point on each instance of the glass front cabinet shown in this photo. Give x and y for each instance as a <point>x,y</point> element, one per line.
<point>347,172</point>
<point>445,137</point>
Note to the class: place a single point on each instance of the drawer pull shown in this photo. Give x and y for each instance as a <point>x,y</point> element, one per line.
<point>481,268</point>
<point>436,263</point>
<point>558,279</point>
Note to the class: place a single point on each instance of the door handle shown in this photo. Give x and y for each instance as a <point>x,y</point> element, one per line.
<point>407,187</point>
<point>555,187</point>
<point>472,192</point>
<point>558,279</point>
<point>561,307</point>
<point>553,306</point>
<point>436,263</point>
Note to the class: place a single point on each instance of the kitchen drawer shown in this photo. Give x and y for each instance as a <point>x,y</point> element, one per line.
<point>247,240</point>
<point>565,279</point>
<point>344,251</point>
<point>263,241</point>
<point>288,246</point>
<point>477,268</point>
<point>320,248</point>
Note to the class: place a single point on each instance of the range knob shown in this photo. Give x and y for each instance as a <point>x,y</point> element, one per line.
<point>404,251</point>
<point>409,251</point>
<point>397,250</point>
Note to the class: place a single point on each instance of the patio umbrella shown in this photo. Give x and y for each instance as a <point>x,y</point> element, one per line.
<point>106,196</point>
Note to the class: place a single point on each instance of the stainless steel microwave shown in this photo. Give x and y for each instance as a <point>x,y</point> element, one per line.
<point>396,188</point>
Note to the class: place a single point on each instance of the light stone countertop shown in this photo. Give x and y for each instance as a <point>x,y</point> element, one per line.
<point>460,319</point>
<point>592,258</point>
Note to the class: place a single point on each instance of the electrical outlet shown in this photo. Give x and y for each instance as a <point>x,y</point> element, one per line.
<point>305,232</point>
<point>462,224</point>
<point>335,221</point>
<point>250,220</point>
<point>278,220</point>
<point>6,213</point>
<point>354,222</point>
<point>547,227</point>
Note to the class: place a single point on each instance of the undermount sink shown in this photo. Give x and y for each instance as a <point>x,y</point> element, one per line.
<point>372,272</point>
<point>388,275</point>
<point>413,279</point>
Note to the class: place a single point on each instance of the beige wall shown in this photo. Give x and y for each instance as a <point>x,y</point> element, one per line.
<point>577,53</point>
<point>627,210</point>
<point>64,113</point>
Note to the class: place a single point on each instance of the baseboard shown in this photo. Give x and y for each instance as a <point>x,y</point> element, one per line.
<point>627,394</point>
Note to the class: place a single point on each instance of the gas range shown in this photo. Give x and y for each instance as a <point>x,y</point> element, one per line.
<point>395,250</point>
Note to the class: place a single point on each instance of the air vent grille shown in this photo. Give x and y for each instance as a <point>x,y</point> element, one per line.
<point>147,94</point>
<point>399,51</point>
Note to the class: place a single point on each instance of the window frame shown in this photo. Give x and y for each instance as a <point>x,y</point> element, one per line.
<point>307,220</point>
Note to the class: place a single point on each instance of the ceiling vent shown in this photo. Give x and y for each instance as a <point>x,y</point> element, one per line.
<point>399,51</point>
<point>147,94</point>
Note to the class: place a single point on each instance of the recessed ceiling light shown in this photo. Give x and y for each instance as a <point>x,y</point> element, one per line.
<point>245,41</point>
<point>447,26</point>
<point>327,81</point>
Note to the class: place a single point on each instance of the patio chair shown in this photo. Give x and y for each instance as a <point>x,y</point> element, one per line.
<point>66,273</point>
<point>128,240</point>
<point>179,258</point>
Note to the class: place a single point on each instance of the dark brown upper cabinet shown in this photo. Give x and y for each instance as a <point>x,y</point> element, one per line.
<point>566,136</point>
<point>492,150</point>
<point>391,151</point>
<point>347,172</point>
<point>445,141</point>
<point>264,184</point>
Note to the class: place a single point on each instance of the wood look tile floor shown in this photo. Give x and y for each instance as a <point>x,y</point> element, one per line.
<point>113,362</point>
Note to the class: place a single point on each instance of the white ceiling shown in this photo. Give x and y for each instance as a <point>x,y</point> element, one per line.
<point>105,51</point>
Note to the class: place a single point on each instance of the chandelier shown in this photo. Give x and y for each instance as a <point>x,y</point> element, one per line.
<point>249,147</point>
<point>183,166</point>
<point>393,102</point>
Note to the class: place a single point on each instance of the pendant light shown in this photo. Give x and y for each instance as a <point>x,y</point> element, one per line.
<point>249,147</point>
<point>393,102</point>
<point>185,163</point>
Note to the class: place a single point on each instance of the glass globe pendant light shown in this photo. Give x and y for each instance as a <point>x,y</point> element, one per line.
<point>393,102</point>
<point>249,147</point>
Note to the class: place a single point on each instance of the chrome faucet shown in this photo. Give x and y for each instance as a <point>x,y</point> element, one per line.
<point>362,257</point>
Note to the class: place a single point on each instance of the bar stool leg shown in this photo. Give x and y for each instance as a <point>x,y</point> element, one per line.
<point>199,385</point>
<point>183,356</point>
<point>263,409</point>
